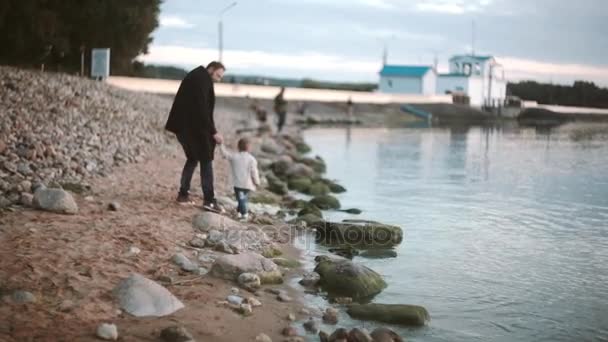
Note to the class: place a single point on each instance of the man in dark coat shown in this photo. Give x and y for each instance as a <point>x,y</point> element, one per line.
<point>191,119</point>
<point>280,108</point>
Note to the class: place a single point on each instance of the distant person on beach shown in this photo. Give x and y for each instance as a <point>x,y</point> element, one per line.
<point>302,106</point>
<point>191,119</point>
<point>350,109</point>
<point>245,176</point>
<point>280,108</point>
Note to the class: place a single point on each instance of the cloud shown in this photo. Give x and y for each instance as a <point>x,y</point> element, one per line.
<point>260,62</point>
<point>173,21</point>
<point>387,33</point>
<point>454,7</point>
<point>380,4</point>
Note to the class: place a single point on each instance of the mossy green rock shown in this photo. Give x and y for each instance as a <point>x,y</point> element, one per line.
<point>281,166</point>
<point>302,147</point>
<point>310,220</point>
<point>325,202</point>
<point>276,185</point>
<point>318,189</point>
<point>360,234</point>
<point>288,263</point>
<point>311,210</point>
<point>316,163</point>
<point>407,315</point>
<point>341,277</point>
<point>264,197</point>
<point>300,184</point>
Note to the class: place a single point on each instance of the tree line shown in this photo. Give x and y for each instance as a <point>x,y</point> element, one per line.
<point>55,32</point>
<point>580,94</point>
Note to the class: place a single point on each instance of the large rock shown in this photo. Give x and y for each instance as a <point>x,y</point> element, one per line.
<point>270,146</point>
<point>300,184</point>
<point>264,197</point>
<point>342,277</point>
<point>407,315</point>
<point>325,202</point>
<point>312,210</point>
<point>142,297</point>
<point>334,187</point>
<point>281,165</point>
<point>317,189</point>
<point>55,200</point>
<point>231,266</point>
<point>360,234</point>
<point>275,185</point>
<point>207,221</point>
<point>315,163</point>
<point>300,170</point>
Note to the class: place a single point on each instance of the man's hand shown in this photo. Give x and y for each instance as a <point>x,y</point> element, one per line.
<point>218,138</point>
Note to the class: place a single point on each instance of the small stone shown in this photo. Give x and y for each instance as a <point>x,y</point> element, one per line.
<point>89,198</point>
<point>107,332</point>
<point>207,259</point>
<point>254,302</point>
<point>235,291</point>
<point>165,279</point>
<point>343,300</point>
<point>67,305</point>
<point>323,336</point>
<point>305,312</point>
<point>133,251</point>
<point>201,271</point>
<point>284,297</point>
<point>330,316</point>
<point>176,334</point>
<point>26,186</point>
<point>249,280</point>
<point>311,326</point>
<point>310,279</point>
<point>273,291</point>
<point>246,309</point>
<point>198,242</point>
<point>289,331</point>
<point>26,199</point>
<point>385,335</point>
<point>23,297</point>
<point>185,263</point>
<point>291,317</point>
<point>340,334</point>
<point>263,338</point>
<point>234,300</point>
<point>114,206</point>
<point>224,247</point>
<point>3,146</point>
<point>359,335</point>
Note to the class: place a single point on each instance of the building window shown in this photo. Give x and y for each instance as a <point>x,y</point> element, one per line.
<point>466,69</point>
<point>477,69</point>
<point>457,67</point>
<point>390,83</point>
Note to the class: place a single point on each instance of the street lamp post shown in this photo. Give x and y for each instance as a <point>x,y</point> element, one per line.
<point>220,29</point>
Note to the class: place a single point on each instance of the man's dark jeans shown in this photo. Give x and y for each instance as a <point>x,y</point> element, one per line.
<point>188,172</point>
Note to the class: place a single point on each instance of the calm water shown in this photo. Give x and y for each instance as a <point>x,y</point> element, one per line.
<point>506,230</point>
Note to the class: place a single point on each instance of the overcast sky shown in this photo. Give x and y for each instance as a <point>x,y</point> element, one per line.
<point>547,40</point>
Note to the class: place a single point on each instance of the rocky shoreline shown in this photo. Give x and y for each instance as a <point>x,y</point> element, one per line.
<point>99,154</point>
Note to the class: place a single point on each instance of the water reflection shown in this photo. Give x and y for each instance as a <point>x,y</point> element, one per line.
<point>506,227</point>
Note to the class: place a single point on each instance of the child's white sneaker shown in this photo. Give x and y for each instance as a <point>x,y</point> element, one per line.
<point>244,217</point>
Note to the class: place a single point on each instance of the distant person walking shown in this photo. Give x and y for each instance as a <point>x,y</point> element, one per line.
<point>280,108</point>
<point>350,109</point>
<point>191,119</point>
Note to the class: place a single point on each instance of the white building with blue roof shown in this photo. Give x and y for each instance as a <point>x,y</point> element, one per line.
<point>407,79</point>
<point>481,78</point>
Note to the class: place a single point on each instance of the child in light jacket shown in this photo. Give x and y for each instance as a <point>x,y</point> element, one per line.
<point>245,176</point>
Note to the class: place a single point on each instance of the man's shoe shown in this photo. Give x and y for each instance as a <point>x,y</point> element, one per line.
<point>213,207</point>
<point>184,199</point>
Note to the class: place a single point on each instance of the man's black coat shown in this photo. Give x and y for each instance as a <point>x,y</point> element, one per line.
<point>191,116</point>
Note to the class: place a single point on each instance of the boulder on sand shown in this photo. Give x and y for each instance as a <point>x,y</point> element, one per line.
<point>231,266</point>
<point>142,297</point>
<point>207,221</point>
<point>300,170</point>
<point>55,200</point>
<point>360,234</point>
<point>310,209</point>
<point>315,163</point>
<point>275,185</point>
<point>325,202</point>
<point>407,315</point>
<point>343,278</point>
